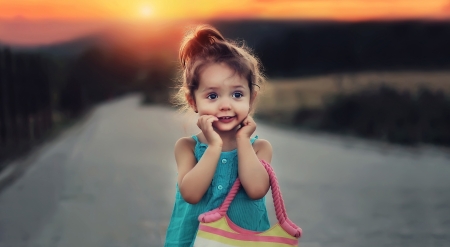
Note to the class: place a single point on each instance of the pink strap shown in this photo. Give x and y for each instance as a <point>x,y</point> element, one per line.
<point>280,209</point>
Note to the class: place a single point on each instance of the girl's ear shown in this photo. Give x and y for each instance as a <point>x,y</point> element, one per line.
<point>191,102</point>
<point>252,101</point>
<point>253,98</point>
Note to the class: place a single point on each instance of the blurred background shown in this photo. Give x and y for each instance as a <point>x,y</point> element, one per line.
<point>370,70</point>
<point>373,69</point>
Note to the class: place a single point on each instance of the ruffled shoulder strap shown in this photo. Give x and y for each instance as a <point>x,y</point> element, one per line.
<point>253,139</point>
<point>200,147</point>
<point>195,138</point>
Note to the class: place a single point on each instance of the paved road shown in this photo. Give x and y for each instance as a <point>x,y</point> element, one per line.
<point>109,181</point>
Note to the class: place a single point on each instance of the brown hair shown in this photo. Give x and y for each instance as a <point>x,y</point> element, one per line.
<point>205,45</point>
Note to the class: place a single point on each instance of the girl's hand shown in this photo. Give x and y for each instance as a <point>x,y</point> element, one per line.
<point>205,124</point>
<point>248,126</point>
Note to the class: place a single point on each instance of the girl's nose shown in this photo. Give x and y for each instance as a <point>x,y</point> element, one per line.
<point>225,105</point>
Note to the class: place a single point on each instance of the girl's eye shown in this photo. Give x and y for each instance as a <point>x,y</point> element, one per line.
<point>212,96</point>
<point>237,95</point>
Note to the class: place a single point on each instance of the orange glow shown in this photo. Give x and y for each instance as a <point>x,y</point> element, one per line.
<point>31,22</point>
<point>146,11</point>
<point>205,9</point>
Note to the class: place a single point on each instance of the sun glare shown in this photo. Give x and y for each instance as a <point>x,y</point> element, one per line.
<point>146,11</point>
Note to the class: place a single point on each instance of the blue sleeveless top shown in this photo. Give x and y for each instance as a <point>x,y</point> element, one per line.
<point>243,211</point>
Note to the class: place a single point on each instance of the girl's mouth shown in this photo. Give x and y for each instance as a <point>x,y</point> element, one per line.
<point>225,119</point>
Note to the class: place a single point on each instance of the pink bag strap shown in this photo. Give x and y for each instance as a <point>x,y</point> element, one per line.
<point>280,209</point>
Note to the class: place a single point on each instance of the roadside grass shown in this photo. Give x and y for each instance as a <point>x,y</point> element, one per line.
<point>399,107</point>
<point>282,98</point>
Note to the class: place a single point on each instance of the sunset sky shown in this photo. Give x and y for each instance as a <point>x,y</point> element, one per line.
<point>176,9</point>
<point>78,16</point>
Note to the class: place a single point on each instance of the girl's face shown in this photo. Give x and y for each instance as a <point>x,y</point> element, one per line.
<point>223,94</point>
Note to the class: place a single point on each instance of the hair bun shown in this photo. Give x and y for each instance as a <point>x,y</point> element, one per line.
<point>197,41</point>
<point>206,35</point>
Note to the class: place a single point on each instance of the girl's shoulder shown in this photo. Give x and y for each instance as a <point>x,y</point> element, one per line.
<point>186,142</point>
<point>261,144</point>
<point>263,149</point>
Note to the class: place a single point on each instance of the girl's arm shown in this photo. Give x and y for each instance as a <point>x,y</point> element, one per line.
<point>253,175</point>
<point>194,179</point>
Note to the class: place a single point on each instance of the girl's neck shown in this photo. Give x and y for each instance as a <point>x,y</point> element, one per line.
<point>228,140</point>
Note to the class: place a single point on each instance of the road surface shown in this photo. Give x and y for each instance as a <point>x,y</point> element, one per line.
<point>109,181</point>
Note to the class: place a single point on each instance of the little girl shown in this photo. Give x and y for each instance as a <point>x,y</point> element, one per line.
<point>219,83</point>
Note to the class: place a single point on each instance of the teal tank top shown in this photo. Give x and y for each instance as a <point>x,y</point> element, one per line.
<point>243,211</point>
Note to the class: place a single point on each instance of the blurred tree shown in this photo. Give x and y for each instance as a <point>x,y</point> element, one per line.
<point>25,101</point>
<point>301,48</point>
<point>388,114</point>
<point>6,76</point>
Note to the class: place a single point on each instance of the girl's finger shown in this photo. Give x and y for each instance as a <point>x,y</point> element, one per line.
<point>247,120</point>
<point>206,117</point>
<point>203,118</point>
<point>212,119</point>
<point>207,120</point>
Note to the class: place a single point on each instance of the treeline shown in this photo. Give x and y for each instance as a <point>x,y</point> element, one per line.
<point>299,48</point>
<point>384,114</point>
<point>25,99</point>
<point>37,86</point>
<point>38,91</point>
<point>101,74</point>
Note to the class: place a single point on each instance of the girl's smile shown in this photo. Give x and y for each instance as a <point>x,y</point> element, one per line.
<point>226,119</point>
